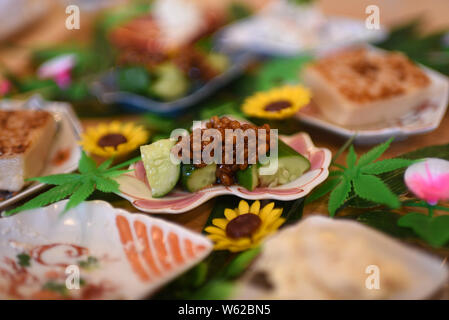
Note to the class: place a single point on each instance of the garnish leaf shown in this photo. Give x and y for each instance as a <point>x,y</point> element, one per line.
<point>46,198</point>
<point>57,179</point>
<point>78,186</point>
<point>114,173</point>
<point>343,148</point>
<point>125,164</point>
<point>386,166</point>
<point>86,164</point>
<point>81,194</point>
<point>372,188</point>
<point>106,164</point>
<point>359,181</point>
<point>280,71</point>
<point>237,266</point>
<point>339,195</point>
<point>434,230</point>
<point>106,185</point>
<point>351,158</point>
<point>374,153</point>
<point>322,190</point>
<point>292,210</point>
<point>386,221</point>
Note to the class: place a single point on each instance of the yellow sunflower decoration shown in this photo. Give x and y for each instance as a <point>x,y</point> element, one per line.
<point>277,103</point>
<point>245,226</point>
<point>113,139</point>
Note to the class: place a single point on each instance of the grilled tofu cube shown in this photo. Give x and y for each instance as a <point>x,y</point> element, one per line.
<point>25,140</point>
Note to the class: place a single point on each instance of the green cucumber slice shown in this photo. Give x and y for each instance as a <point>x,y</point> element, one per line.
<point>162,173</point>
<point>194,179</point>
<point>291,165</point>
<point>249,178</point>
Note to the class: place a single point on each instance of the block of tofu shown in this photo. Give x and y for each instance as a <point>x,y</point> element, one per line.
<point>25,140</point>
<point>361,86</point>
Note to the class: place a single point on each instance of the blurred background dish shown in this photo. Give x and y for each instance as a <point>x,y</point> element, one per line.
<point>304,262</point>
<point>284,28</point>
<point>15,15</point>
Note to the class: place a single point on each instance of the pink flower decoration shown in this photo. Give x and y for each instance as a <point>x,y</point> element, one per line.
<point>63,79</point>
<point>58,69</point>
<point>429,180</point>
<point>5,87</point>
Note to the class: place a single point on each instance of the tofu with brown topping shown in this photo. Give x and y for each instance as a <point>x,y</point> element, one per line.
<point>25,140</point>
<point>361,86</point>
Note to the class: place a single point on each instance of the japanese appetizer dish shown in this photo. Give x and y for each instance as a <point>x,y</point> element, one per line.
<point>25,137</point>
<point>361,86</point>
<point>307,261</point>
<point>169,51</point>
<point>163,174</point>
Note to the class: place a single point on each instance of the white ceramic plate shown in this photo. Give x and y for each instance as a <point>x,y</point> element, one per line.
<point>118,255</point>
<point>134,186</point>
<point>423,119</point>
<point>64,153</point>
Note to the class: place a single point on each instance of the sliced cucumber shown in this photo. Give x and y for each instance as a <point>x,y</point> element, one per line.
<point>249,178</point>
<point>162,173</point>
<point>291,165</point>
<point>194,179</point>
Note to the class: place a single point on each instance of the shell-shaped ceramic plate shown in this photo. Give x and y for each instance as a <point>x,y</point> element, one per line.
<point>135,188</point>
<point>324,258</point>
<point>118,255</point>
<point>64,152</point>
<point>425,118</point>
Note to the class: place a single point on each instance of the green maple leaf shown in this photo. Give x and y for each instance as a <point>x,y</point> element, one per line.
<point>359,177</point>
<point>374,189</point>
<point>339,195</point>
<point>434,230</point>
<point>77,186</point>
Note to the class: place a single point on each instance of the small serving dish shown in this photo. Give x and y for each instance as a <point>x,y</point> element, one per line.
<point>64,152</point>
<point>93,251</point>
<point>106,90</point>
<point>135,188</point>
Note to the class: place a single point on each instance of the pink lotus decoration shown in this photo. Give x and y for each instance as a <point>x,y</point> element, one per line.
<point>429,180</point>
<point>58,69</point>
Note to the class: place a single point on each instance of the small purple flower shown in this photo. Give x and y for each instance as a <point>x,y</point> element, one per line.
<point>58,69</point>
<point>429,180</point>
